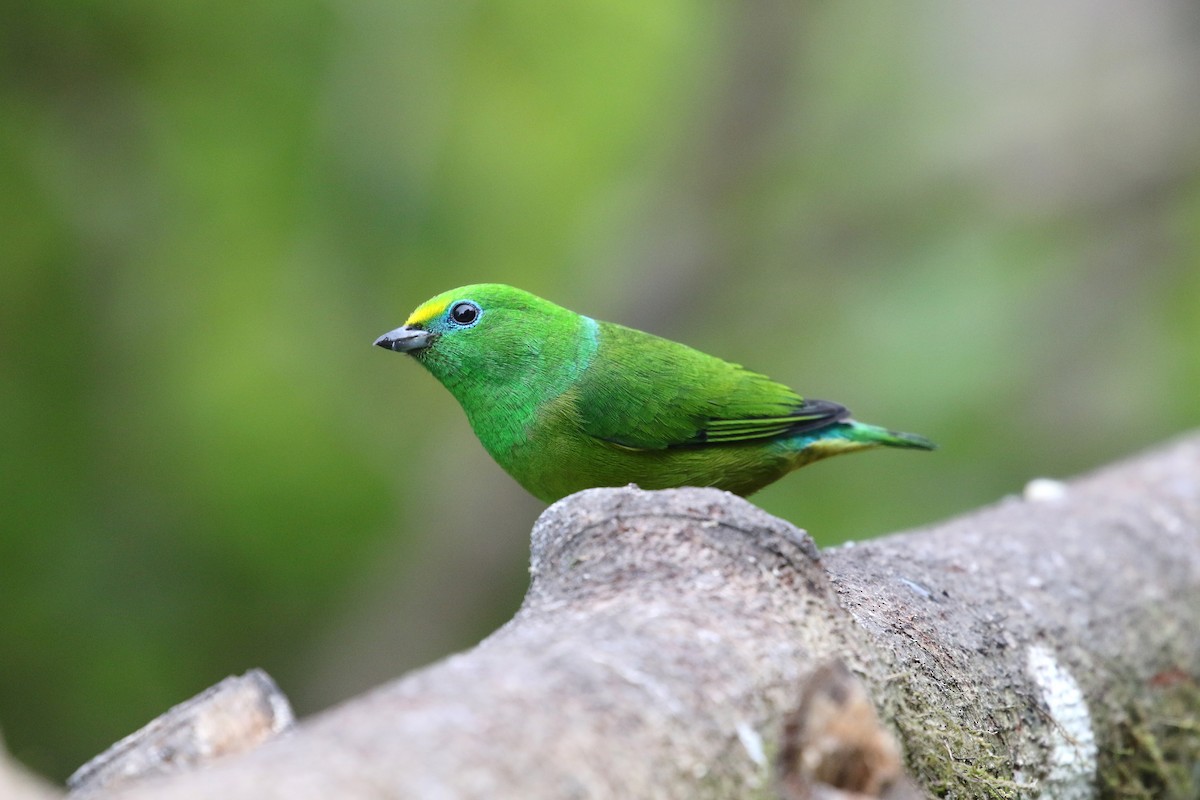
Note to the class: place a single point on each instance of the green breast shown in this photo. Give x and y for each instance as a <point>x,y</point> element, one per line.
<point>529,419</point>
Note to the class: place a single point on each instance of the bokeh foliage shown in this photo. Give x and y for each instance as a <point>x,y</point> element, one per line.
<point>980,223</point>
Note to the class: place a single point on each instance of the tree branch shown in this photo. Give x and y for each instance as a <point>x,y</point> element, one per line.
<point>17,784</point>
<point>1045,645</point>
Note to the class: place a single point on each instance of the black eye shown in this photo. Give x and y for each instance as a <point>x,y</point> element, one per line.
<point>464,313</point>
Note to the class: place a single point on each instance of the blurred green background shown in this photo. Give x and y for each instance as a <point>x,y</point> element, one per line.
<point>975,221</point>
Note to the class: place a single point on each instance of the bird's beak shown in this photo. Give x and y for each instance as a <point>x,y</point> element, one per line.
<point>405,339</point>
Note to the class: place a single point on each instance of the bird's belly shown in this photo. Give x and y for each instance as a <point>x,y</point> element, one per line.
<point>553,467</point>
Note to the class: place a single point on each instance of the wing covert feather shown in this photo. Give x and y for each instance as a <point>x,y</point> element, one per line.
<point>649,393</point>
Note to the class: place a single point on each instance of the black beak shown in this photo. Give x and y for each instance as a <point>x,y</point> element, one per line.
<point>405,339</point>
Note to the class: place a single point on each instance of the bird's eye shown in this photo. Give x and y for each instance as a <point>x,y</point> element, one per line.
<point>464,312</point>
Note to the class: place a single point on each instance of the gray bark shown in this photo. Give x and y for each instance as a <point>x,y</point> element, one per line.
<point>1044,646</point>
<point>234,716</point>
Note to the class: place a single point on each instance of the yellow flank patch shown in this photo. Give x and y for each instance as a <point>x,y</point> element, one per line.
<point>427,311</point>
<point>831,447</point>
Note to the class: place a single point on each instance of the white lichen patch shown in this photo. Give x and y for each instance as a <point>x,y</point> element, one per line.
<point>1070,770</point>
<point>1044,490</point>
<point>752,742</point>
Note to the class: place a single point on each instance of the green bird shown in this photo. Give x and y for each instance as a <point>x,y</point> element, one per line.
<point>564,402</point>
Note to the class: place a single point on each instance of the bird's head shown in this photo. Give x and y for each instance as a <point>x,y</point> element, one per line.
<point>486,331</point>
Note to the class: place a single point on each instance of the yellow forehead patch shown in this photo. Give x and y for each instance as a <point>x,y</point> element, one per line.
<point>427,311</point>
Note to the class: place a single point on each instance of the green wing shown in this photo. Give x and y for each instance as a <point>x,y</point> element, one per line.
<point>648,393</point>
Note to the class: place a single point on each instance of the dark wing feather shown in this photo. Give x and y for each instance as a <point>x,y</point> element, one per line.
<point>810,415</point>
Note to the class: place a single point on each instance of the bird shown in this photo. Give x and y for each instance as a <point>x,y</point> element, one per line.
<point>564,402</point>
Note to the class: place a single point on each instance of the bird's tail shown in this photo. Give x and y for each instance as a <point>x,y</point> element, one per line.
<point>849,436</point>
<point>871,435</point>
